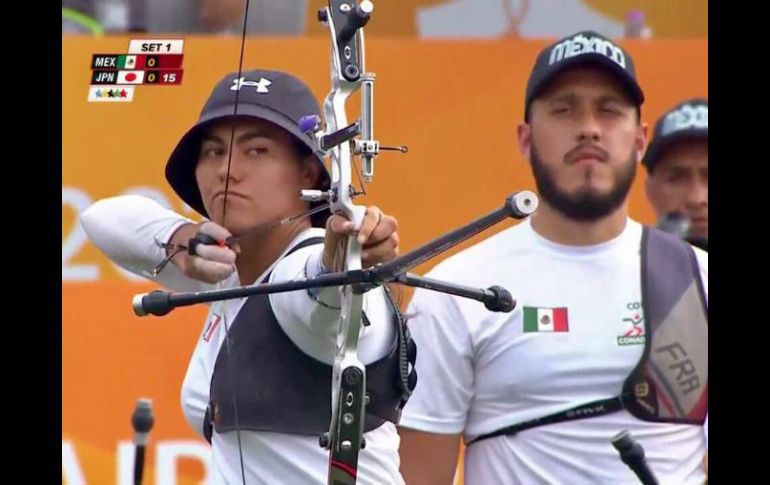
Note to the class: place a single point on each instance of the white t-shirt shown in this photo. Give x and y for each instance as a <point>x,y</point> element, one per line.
<point>125,229</point>
<point>480,371</point>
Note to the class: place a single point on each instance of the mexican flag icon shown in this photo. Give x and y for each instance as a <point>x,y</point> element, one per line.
<point>545,319</point>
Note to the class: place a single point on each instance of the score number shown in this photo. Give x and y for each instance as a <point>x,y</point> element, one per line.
<point>164,76</point>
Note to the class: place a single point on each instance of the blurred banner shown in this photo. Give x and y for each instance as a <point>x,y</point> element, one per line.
<point>456,105</point>
<point>426,19</point>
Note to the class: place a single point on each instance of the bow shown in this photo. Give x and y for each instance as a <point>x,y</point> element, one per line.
<point>346,21</point>
<point>341,142</point>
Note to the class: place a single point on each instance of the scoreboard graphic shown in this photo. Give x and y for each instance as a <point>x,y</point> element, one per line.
<point>156,62</point>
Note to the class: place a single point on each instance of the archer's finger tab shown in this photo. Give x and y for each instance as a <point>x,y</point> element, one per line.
<point>200,238</point>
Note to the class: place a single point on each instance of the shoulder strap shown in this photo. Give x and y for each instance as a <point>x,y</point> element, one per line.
<point>590,410</point>
<point>311,241</point>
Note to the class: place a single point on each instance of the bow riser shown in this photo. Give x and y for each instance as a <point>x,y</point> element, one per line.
<point>345,437</point>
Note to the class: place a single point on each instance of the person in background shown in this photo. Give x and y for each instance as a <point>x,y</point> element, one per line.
<point>677,163</point>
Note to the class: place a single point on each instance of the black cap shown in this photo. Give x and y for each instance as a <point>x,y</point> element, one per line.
<point>274,96</point>
<point>689,120</point>
<point>578,49</point>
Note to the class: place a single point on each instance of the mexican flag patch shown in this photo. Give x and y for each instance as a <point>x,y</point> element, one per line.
<point>545,319</point>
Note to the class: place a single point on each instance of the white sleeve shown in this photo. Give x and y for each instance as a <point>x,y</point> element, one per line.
<point>312,319</point>
<point>125,228</point>
<point>445,380</point>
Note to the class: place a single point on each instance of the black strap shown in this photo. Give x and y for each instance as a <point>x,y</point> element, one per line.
<point>208,419</point>
<point>307,242</point>
<point>590,410</point>
<point>407,352</point>
<point>208,424</point>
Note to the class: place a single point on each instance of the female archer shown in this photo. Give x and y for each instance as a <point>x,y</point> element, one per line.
<point>262,396</point>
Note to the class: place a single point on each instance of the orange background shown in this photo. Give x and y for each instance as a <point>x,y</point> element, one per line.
<point>454,103</point>
<point>668,18</point>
